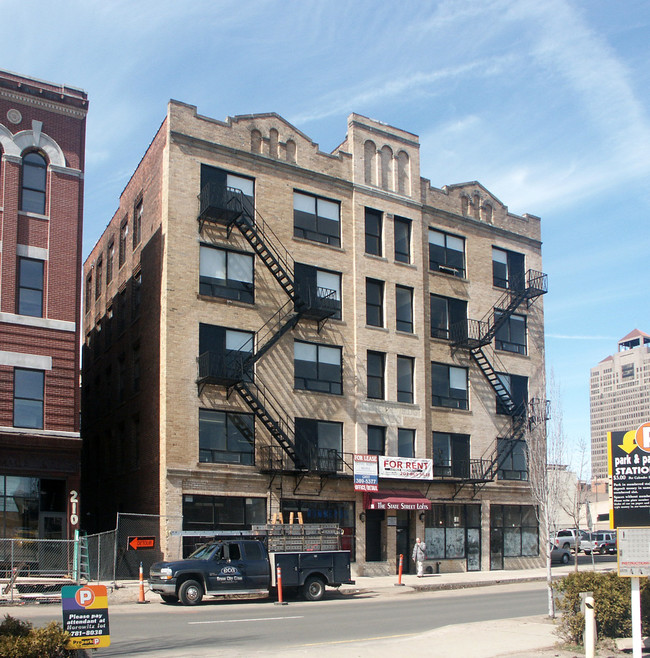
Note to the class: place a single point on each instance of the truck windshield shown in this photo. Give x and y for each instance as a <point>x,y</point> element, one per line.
<point>206,551</point>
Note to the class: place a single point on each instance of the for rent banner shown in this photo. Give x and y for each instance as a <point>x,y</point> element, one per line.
<point>405,469</point>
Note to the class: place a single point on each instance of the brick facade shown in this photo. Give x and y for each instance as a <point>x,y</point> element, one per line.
<point>46,119</point>
<point>376,167</point>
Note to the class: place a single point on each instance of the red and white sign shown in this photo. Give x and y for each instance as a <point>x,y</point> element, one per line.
<point>404,468</point>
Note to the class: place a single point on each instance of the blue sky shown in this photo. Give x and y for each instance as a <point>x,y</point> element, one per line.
<point>545,103</point>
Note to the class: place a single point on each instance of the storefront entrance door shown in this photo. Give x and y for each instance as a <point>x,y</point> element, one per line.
<point>52,555</point>
<point>403,541</point>
<point>496,548</point>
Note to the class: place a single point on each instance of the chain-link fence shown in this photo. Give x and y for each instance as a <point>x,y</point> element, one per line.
<point>42,558</point>
<point>117,554</point>
<point>101,556</point>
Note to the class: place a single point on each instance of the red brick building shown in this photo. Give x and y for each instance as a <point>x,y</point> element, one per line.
<point>42,142</point>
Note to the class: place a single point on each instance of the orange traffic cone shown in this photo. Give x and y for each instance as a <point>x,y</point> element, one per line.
<point>141,598</point>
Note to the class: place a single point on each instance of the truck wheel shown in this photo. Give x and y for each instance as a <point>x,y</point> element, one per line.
<point>313,589</point>
<point>565,558</point>
<point>169,598</point>
<point>190,593</point>
<point>566,545</point>
<point>587,552</point>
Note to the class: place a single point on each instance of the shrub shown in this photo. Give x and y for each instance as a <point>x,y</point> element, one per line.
<point>18,639</point>
<point>611,602</point>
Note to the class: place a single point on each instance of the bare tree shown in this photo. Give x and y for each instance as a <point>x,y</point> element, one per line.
<point>546,447</point>
<point>574,498</point>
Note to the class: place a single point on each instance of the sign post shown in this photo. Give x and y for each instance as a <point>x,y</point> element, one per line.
<point>628,460</point>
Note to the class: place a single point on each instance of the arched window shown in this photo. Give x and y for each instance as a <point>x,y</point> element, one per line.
<point>476,206</point>
<point>291,150</point>
<point>487,212</point>
<point>370,162</point>
<point>273,143</point>
<point>403,173</point>
<point>464,204</point>
<point>386,155</point>
<point>34,179</point>
<point>256,141</point>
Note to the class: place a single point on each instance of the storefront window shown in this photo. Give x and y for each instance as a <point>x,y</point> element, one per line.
<point>520,529</point>
<point>446,528</point>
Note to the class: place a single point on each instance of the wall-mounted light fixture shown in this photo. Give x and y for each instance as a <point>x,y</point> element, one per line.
<point>362,517</point>
<point>422,516</point>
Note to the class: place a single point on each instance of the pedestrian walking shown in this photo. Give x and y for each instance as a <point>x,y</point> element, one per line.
<point>419,555</point>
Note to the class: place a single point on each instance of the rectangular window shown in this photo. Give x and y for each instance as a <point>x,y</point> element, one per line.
<point>226,437</point>
<point>317,219</point>
<point>317,368</point>
<point>376,368</point>
<point>405,379</point>
<point>137,223</point>
<point>373,232</point>
<point>110,255</point>
<point>515,528</point>
<point>320,444</point>
<point>511,335</point>
<point>405,443</point>
<point>320,287</point>
<point>508,269</point>
<point>447,313</point>
<point>29,397</point>
<point>229,348</point>
<point>449,386</point>
<point>98,277</point>
<point>374,303</point>
<point>404,309</point>
<point>227,274</point>
<point>121,312</point>
<point>30,287</point>
<point>376,440</point>
<point>450,455</point>
<point>452,531</point>
<point>517,392</point>
<point>512,456</point>
<point>136,295</point>
<point>220,513</point>
<point>446,253</point>
<point>225,190</point>
<point>124,233</point>
<point>89,291</point>
<point>402,240</point>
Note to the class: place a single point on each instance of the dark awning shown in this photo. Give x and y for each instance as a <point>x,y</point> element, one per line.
<point>397,500</point>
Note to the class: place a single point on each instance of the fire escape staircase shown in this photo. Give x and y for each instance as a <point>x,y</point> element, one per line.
<point>474,335</point>
<point>230,208</point>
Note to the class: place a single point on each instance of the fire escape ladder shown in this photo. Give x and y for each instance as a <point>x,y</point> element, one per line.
<point>282,321</point>
<point>269,412</point>
<point>230,207</point>
<point>493,379</point>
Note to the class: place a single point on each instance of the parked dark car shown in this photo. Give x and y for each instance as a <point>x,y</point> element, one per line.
<point>560,555</point>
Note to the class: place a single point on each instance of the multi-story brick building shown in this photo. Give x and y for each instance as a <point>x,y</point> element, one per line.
<point>619,395</point>
<point>259,311</point>
<point>42,142</point>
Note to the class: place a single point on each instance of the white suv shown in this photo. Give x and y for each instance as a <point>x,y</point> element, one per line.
<point>567,539</point>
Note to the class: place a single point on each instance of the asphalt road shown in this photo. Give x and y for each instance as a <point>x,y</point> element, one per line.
<point>250,627</point>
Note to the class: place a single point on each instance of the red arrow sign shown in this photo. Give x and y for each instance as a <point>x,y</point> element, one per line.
<point>142,542</point>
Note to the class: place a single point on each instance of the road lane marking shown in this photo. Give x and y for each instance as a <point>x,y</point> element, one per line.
<point>361,639</point>
<point>233,621</point>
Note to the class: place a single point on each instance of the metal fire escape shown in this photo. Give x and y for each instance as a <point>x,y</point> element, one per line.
<point>475,335</point>
<point>229,207</point>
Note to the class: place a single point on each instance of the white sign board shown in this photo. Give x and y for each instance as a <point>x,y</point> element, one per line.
<point>634,552</point>
<point>404,468</point>
<point>365,473</point>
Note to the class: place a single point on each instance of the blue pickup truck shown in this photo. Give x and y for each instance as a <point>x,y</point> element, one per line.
<point>244,567</point>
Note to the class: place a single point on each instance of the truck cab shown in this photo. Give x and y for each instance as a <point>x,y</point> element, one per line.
<point>219,568</point>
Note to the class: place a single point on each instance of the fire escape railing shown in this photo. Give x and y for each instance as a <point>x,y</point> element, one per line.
<point>228,206</point>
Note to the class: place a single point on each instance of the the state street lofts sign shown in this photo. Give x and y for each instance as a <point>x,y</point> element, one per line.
<point>628,461</point>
